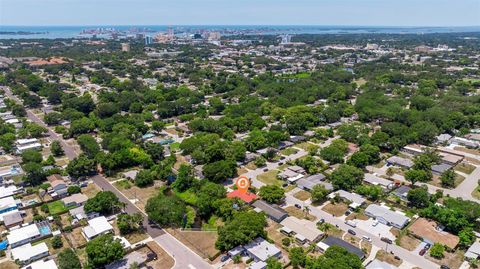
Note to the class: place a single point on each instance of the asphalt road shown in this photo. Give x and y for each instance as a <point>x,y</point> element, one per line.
<point>404,254</point>
<point>183,256</point>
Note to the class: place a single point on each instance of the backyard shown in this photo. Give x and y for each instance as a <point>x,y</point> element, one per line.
<point>270,178</point>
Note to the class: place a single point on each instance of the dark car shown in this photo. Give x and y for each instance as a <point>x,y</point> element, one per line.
<point>352,232</point>
<point>443,266</point>
<point>265,170</point>
<point>396,258</point>
<point>224,258</point>
<point>321,221</point>
<point>427,246</point>
<point>348,212</point>
<point>386,240</point>
<point>422,252</point>
<point>298,206</point>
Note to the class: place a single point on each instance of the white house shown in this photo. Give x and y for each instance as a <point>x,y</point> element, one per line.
<point>23,235</point>
<point>28,253</point>
<point>387,216</point>
<point>49,264</point>
<point>260,250</point>
<point>96,227</point>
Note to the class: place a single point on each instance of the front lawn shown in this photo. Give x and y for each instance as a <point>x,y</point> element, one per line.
<point>270,178</point>
<point>302,195</point>
<point>337,209</point>
<point>288,151</point>
<point>56,207</point>
<point>465,168</point>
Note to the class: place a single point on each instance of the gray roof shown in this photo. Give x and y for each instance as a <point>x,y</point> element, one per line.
<point>400,161</point>
<point>12,218</point>
<point>311,181</point>
<point>387,214</point>
<point>273,211</point>
<point>335,241</point>
<point>473,251</point>
<point>402,191</point>
<point>440,168</point>
<point>375,180</point>
<point>128,261</point>
<point>377,264</point>
<point>352,197</point>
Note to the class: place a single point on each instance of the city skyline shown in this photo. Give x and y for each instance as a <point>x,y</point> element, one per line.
<point>247,12</point>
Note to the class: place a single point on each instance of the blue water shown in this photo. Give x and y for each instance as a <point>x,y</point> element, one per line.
<point>74,31</point>
<point>44,230</point>
<point>3,245</point>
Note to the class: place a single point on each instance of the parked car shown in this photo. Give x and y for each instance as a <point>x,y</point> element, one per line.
<point>427,246</point>
<point>298,206</point>
<point>265,170</point>
<point>366,238</point>
<point>351,223</point>
<point>443,266</point>
<point>352,232</point>
<point>386,240</point>
<point>224,258</point>
<point>375,223</point>
<point>422,252</point>
<point>396,257</point>
<point>348,212</point>
<point>285,185</point>
<point>321,221</point>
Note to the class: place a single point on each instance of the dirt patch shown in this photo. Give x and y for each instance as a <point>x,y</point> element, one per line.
<point>465,168</point>
<point>388,258</point>
<point>359,216</point>
<point>163,259</point>
<point>408,242</point>
<point>337,209</point>
<point>274,234</point>
<point>251,166</point>
<point>9,265</point>
<point>241,171</point>
<point>91,190</point>
<point>302,195</point>
<point>76,238</point>
<point>201,242</point>
<point>299,213</point>
<point>141,195</point>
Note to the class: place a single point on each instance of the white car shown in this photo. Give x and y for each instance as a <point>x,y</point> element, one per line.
<point>375,223</point>
<point>366,238</point>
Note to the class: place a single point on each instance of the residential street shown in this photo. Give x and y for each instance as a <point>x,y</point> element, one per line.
<point>172,246</point>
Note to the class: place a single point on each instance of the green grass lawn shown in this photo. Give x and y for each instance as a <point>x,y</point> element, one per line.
<point>123,184</point>
<point>465,168</point>
<point>188,196</point>
<point>212,224</point>
<point>56,207</point>
<point>307,146</point>
<point>175,146</point>
<point>270,178</point>
<point>288,151</point>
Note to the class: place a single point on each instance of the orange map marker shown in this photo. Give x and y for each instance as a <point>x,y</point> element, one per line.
<point>242,184</point>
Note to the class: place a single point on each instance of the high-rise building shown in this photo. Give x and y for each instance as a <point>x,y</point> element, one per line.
<point>126,47</point>
<point>286,39</point>
<point>148,40</point>
<point>171,33</point>
<point>214,36</point>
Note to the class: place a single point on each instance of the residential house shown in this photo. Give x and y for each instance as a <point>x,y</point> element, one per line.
<point>431,232</point>
<point>11,190</point>
<point>309,182</point>
<point>28,253</point>
<point>8,205</point>
<point>414,149</point>
<point>450,159</point>
<point>284,144</point>
<point>378,181</point>
<point>130,175</point>
<point>8,172</point>
<point>247,197</point>
<point>250,157</point>
<point>58,187</point>
<point>386,216</point>
<point>23,235</point>
<point>26,144</point>
<point>402,192</point>
<point>297,138</point>
<point>303,230</point>
<point>354,199</point>
<point>42,264</point>
<point>274,212</point>
<point>96,227</point>
<point>78,213</point>
<point>473,251</point>
<point>465,142</point>
<point>260,250</point>
<point>76,199</point>
<point>12,219</point>
<point>438,169</point>
<point>127,262</point>
<point>443,138</point>
<point>289,175</point>
<point>399,161</point>
<point>335,241</point>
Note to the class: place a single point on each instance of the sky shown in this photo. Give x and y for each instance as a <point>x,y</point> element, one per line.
<point>241,12</point>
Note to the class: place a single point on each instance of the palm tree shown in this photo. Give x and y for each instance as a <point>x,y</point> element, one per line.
<point>306,209</point>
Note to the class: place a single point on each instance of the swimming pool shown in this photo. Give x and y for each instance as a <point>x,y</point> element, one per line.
<point>44,230</point>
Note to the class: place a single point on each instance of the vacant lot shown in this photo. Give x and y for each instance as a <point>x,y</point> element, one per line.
<point>408,242</point>
<point>273,233</point>
<point>307,146</point>
<point>337,209</point>
<point>388,258</point>
<point>270,178</point>
<point>163,259</point>
<point>355,215</point>
<point>141,195</point>
<point>465,168</point>
<point>302,195</point>
<point>288,151</point>
<point>91,190</point>
<point>299,213</point>
<point>76,238</point>
<point>202,242</point>
<point>133,237</point>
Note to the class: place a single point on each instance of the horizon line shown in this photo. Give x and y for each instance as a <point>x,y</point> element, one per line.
<point>310,25</point>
